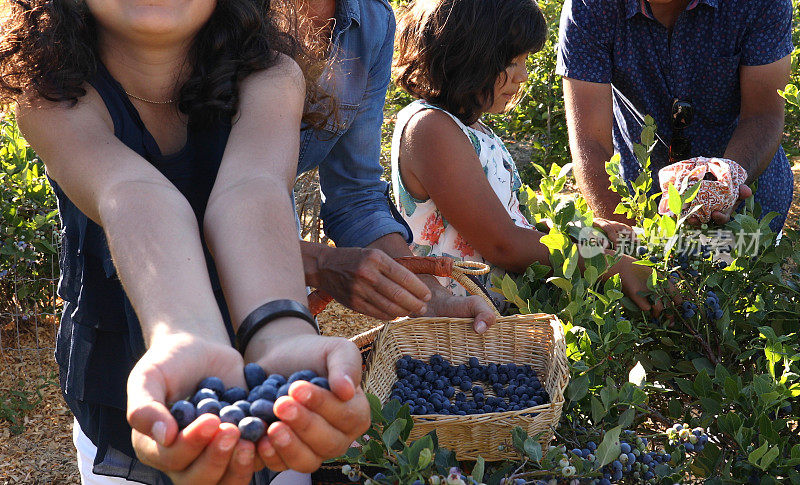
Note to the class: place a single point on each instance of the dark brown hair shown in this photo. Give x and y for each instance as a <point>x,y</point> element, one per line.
<point>49,48</point>
<point>451,52</point>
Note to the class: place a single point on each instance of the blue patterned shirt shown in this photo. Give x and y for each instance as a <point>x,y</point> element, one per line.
<point>619,42</point>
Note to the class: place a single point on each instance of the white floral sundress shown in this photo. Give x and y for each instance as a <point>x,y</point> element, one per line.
<point>433,236</point>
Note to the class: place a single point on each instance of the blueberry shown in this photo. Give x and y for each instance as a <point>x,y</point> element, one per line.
<point>473,362</point>
<point>625,447</point>
<point>203,394</point>
<point>303,375</point>
<point>263,410</point>
<point>631,458</point>
<point>641,251</point>
<point>466,385</point>
<point>277,380</point>
<point>234,394</point>
<point>689,447</point>
<point>321,382</point>
<point>254,375</point>
<point>231,414</point>
<point>213,383</point>
<point>244,406</point>
<point>208,406</point>
<point>576,451</point>
<point>251,428</point>
<point>592,446</point>
<point>616,465</point>
<point>184,413</point>
<point>283,391</point>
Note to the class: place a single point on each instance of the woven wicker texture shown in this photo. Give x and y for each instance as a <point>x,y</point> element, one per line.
<point>537,340</point>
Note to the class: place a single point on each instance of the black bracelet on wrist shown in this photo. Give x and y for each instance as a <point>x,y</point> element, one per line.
<point>268,312</point>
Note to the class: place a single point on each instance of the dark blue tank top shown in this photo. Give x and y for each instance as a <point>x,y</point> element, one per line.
<point>100,339</point>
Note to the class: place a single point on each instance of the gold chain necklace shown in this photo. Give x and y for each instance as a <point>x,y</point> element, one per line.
<point>169,101</point>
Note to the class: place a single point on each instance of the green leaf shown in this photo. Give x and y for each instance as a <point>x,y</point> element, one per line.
<point>674,200</point>
<point>375,408</point>
<point>626,418</point>
<point>425,458</point>
<point>608,450</point>
<point>415,450</point>
<point>560,282</point>
<point>769,457</point>
<point>393,432</point>
<point>756,454</point>
<point>598,411</point>
<point>518,437</point>
<point>477,470</point>
<point>578,388</point>
<point>533,449</point>
<point>555,241</point>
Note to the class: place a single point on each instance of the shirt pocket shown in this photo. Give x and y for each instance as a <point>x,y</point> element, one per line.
<point>717,90</point>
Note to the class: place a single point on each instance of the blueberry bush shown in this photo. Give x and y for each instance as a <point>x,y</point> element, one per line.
<point>28,229</point>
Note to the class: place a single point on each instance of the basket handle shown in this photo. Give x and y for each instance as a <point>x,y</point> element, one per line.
<point>463,272</point>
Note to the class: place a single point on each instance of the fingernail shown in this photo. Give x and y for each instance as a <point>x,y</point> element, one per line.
<point>268,450</point>
<point>159,432</point>
<point>228,442</point>
<point>303,394</point>
<point>281,438</point>
<point>244,456</point>
<point>350,380</point>
<point>424,309</point>
<point>480,326</point>
<point>289,412</point>
<point>427,297</point>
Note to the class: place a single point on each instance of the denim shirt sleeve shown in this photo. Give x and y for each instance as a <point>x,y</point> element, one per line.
<point>585,40</point>
<point>355,208</point>
<point>769,34</point>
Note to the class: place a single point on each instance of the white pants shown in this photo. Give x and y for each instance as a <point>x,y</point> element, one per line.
<point>87,451</point>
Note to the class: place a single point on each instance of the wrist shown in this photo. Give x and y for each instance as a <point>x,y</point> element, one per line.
<point>208,331</point>
<point>276,333</point>
<point>311,254</point>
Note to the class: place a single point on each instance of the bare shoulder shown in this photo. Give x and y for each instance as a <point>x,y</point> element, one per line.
<point>285,76</point>
<point>432,125</point>
<point>37,115</point>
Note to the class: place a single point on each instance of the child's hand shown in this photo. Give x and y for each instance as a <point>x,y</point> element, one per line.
<point>316,424</point>
<point>205,451</point>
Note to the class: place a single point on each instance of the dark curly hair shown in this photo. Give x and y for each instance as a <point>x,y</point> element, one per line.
<point>49,48</point>
<point>451,52</point>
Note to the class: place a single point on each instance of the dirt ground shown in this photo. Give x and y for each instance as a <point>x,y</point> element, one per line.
<point>43,452</point>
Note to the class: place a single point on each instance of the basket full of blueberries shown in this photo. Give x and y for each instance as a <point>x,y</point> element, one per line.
<point>473,389</point>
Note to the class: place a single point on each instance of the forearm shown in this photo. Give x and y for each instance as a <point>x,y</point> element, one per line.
<point>252,235</point>
<point>154,239</point>
<point>754,143</point>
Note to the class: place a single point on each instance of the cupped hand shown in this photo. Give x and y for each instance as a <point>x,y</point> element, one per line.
<point>369,281</point>
<point>206,451</point>
<point>315,424</point>
<point>721,218</point>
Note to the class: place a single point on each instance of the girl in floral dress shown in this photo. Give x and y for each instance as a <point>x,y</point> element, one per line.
<point>454,181</point>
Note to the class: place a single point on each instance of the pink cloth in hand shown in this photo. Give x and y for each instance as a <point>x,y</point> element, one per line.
<point>719,184</point>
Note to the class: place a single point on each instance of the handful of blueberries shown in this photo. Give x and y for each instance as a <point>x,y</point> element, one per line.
<point>251,410</point>
<point>438,387</point>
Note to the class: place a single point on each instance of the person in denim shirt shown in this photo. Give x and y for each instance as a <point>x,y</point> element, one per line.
<point>624,59</point>
<point>356,210</point>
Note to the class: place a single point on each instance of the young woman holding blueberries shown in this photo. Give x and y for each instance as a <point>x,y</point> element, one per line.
<point>170,131</point>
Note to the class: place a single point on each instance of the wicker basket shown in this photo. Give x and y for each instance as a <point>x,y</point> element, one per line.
<point>537,340</point>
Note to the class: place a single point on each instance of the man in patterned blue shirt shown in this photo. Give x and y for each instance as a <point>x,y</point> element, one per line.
<point>624,59</point>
